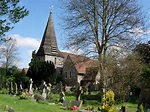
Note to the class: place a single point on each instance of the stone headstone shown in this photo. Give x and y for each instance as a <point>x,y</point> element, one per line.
<point>20,86</point>
<point>62,96</point>
<point>11,110</point>
<point>77,103</point>
<point>148,110</point>
<point>15,88</point>
<point>11,88</point>
<point>77,85</point>
<point>30,87</point>
<point>65,103</point>
<point>44,90</point>
<point>48,92</point>
<point>124,109</point>
<point>58,87</point>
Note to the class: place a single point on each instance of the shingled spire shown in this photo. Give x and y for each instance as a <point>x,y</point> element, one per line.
<point>49,44</point>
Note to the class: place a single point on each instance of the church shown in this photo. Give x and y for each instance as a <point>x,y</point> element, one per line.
<point>72,67</point>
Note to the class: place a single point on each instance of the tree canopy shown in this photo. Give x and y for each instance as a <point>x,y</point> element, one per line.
<point>10,13</point>
<point>97,26</point>
<point>143,49</point>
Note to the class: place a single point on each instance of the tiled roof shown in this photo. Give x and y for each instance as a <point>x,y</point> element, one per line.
<point>80,62</point>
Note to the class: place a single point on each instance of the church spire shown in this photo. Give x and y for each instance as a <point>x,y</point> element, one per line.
<point>49,44</point>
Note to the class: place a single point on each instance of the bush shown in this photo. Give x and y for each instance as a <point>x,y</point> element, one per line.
<point>108,102</point>
<point>4,91</point>
<point>23,96</point>
<point>38,97</point>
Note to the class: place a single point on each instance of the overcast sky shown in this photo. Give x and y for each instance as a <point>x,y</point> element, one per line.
<point>29,31</point>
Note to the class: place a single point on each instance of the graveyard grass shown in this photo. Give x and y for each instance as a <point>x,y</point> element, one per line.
<point>32,106</point>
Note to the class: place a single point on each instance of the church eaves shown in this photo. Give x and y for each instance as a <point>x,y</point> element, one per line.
<point>49,44</point>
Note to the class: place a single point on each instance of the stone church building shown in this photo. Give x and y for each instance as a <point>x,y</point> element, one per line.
<point>72,67</point>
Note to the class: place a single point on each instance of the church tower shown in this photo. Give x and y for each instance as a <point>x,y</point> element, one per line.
<point>48,50</point>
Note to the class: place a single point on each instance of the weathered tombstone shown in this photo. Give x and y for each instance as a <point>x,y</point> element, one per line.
<point>124,109</point>
<point>85,88</point>
<point>20,88</point>
<point>44,90</point>
<point>7,85</point>
<point>58,87</point>
<point>62,98</point>
<point>11,88</point>
<point>148,110</point>
<point>11,110</point>
<point>78,90</point>
<point>30,87</point>
<point>15,88</point>
<point>65,103</point>
<point>76,103</point>
<point>49,90</point>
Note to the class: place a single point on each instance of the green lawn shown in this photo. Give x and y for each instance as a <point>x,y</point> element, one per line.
<point>27,105</point>
<point>32,106</point>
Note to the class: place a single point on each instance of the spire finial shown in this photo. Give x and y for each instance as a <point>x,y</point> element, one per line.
<point>51,8</point>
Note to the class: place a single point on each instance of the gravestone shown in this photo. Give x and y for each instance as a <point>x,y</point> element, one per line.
<point>148,110</point>
<point>77,103</point>
<point>11,88</point>
<point>62,98</point>
<point>11,110</point>
<point>15,88</point>
<point>124,109</point>
<point>30,87</point>
<point>20,86</point>
<point>78,90</point>
<point>44,90</point>
<point>58,87</point>
<point>49,90</point>
<point>65,103</point>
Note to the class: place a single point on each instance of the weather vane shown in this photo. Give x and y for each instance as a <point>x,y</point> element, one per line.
<point>51,8</point>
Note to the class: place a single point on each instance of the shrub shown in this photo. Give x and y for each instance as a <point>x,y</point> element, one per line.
<point>108,102</point>
<point>141,109</point>
<point>4,91</point>
<point>23,96</point>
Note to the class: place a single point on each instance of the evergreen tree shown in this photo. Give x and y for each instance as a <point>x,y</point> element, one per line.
<point>41,70</point>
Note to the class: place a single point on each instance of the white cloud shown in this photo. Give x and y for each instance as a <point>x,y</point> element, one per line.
<point>26,45</point>
<point>26,42</point>
<point>139,31</point>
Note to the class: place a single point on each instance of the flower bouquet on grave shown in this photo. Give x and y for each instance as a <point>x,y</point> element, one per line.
<point>74,108</point>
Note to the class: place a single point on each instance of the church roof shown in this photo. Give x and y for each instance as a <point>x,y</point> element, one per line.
<point>49,44</point>
<point>81,63</point>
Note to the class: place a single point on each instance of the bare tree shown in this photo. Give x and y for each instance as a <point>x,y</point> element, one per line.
<point>97,25</point>
<point>9,54</point>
